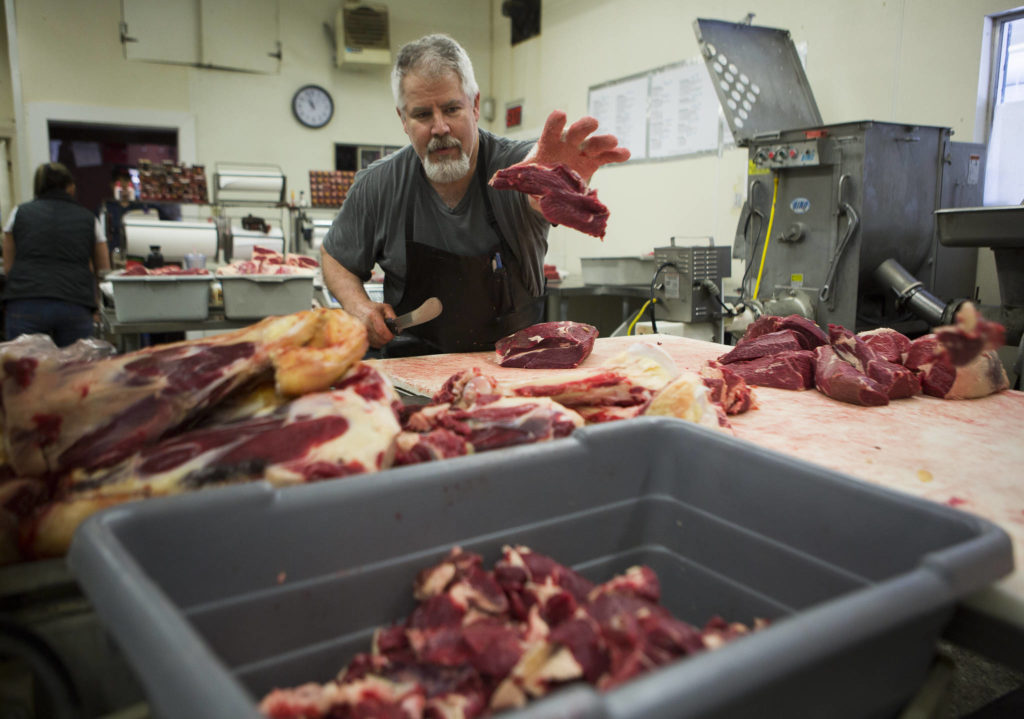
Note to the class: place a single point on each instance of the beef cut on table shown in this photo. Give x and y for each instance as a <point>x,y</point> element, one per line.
<point>792,369</point>
<point>547,345</point>
<point>491,422</point>
<point>766,324</point>
<point>894,380</point>
<point>873,367</point>
<point>776,352</point>
<point>940,377</point>
<point>565,198</point>
<point>480,641</point>
<point>838,379</point>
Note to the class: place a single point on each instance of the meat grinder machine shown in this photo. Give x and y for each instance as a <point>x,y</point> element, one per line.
<point>828,204</point>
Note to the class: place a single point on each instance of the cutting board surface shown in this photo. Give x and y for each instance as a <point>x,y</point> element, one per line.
<point>967,454</point>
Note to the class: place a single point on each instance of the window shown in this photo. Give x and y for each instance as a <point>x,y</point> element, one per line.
<point>1004,178</point>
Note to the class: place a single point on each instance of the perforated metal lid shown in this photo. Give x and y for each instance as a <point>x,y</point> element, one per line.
<point>758,76</point>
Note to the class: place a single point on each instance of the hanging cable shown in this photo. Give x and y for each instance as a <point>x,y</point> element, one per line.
<point>654,299</point>
<point>636,317</point>
<point>767,235</point>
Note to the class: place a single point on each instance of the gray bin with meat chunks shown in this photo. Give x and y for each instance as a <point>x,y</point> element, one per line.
<point>220,596</point>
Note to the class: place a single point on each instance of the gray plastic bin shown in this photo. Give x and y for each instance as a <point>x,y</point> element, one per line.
<point>150,298</point>
<point>219,596</point>
<point>251,297</point>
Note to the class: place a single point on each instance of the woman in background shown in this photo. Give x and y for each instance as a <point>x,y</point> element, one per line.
<point>54,250</point>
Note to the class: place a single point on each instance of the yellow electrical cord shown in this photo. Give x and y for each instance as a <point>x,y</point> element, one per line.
<point>629,330</point>
<point>767,236</point>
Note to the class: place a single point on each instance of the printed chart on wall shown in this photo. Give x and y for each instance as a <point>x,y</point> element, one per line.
<point>683,111</point>
<point>668,112</point>
<point>621,109</point>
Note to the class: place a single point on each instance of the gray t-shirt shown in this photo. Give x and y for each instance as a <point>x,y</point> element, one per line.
<point>371,226</point>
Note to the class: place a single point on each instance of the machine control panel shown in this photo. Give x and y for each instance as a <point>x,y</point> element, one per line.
<point>804,153</point>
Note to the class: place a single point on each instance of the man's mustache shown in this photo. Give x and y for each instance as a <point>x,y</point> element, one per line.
<point>443,143</point>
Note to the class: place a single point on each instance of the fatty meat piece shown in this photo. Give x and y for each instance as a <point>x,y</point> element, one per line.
<point>328,435</point>
<point>627,380</point>
<point>547,345</point>
<point>939,377</point>
<point>87,415</point>
<point>687,397</point>
<point>565,198</point>
<point>970,335</point>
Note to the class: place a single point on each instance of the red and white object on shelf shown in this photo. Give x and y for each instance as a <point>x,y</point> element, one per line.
<point>270,262</point>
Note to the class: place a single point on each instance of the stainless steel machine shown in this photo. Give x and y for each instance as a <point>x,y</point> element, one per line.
<point>827,204</point>
<point>688,282</point>
<point>841,200</point>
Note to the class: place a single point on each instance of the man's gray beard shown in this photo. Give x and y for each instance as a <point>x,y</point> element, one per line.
<point>446,170</point>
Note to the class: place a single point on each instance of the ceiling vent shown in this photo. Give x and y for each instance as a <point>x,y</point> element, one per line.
<point>362,35</point>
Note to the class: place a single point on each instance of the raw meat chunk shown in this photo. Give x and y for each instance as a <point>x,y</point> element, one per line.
<point>728,389</point>
<point>565,198</point>
<point>887,343</point>
<point>548,345</point>
<point>500,422</point>
<point>970,336</point>
<point>767,344</point>
<point>482,641</point>
<point>894,379</point>
<point>786,370</point>
<point>838,379</point>
<point>767,324</point>
<point>982,376</point>
<point>439,443</point>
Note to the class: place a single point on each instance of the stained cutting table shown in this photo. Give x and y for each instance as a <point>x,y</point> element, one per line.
<point>967,454</point>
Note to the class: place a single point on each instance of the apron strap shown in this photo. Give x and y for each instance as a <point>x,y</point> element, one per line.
<point>492,219</point>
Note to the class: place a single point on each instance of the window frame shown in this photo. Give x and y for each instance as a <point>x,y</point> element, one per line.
<point>992,65</point>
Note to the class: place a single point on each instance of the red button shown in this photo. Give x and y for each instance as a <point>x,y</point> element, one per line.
<point>792,153</point>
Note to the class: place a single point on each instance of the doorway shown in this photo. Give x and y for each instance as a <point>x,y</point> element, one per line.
<point>93,153</point>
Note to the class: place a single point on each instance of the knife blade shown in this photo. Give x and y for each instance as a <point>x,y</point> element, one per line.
<point>424,313</point>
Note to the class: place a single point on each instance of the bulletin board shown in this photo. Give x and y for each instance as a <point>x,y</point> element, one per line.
<point>665,113</point>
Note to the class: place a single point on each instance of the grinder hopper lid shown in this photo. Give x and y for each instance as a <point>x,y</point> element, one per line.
<point>758,78</point>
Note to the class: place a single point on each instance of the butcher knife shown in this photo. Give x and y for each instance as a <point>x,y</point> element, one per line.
<point>424,313</point>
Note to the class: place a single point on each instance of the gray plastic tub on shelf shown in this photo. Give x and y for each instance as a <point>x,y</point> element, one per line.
<point>151,298</point>
<point>251,297</point>
<point>221,595</point>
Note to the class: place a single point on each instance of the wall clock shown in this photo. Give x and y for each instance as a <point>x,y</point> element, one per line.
<point>313,106</point>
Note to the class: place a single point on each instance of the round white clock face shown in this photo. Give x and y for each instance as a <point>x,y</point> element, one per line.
<point>313,106</point>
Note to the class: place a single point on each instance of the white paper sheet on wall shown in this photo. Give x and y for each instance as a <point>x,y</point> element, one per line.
<point>671,111</point>
<point>684,111</point>
<point>621,109</point>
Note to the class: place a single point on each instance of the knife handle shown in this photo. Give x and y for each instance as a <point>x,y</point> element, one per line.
<point>392,324</point>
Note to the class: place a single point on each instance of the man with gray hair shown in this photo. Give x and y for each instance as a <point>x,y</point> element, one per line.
<point>427,216</point>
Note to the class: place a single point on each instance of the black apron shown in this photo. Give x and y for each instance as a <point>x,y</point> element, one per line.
<point>483,297</point>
